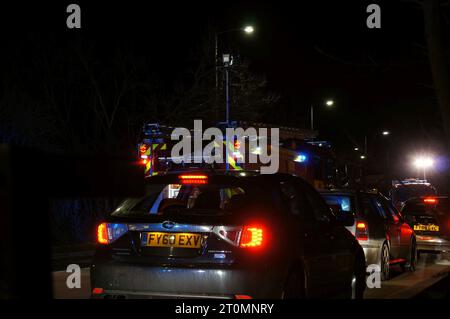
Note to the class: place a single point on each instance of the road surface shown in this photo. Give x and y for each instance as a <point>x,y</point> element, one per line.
<point>431,269</point>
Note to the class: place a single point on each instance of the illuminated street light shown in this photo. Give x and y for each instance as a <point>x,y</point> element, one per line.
<point>423,163</point>
<point>328,103</point>
<point>249,29</point>
<point>356,149</point>
<point>386,133</point>
<point>363,156</point>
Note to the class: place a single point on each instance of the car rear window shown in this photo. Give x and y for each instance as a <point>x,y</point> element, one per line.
<point>195,199</point>
<point>405,192</point>
<point>346,202</point>
<point>421,219</point>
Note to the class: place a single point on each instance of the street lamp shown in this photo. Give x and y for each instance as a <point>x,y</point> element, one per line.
<point>247,29</point>
<point>328,103</point>
<point>386,133</point>
<point>423,163</point>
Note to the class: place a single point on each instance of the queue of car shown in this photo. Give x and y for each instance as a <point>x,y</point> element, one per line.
<point>212,234</point>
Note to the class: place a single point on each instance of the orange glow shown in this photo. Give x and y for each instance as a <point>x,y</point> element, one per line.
<point>430,200</point>
<point>102,234</point>
<point>252,237</point>
<point>143,148</point>
<point>97,291</point>
<point>237,145</point>
<point>144,161</point>
<point>361,225</point>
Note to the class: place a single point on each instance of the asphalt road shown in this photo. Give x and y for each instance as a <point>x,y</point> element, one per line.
<point>431,269</point>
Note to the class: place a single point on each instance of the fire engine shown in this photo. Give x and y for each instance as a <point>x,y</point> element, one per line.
<point>299,153</point>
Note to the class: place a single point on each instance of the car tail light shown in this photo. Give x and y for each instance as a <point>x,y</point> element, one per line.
<point>230,234</point>
<point>102,234</point>
<point>245,237</point>
<point>107,233</point>
<point>97,291</point>
<point>430,200</point>
<point>361,232</point>
<point>252,236</point>
<point>242,297</point>
<point>193,179</point>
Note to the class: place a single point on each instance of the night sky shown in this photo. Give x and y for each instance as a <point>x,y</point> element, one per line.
<point>309,51</point>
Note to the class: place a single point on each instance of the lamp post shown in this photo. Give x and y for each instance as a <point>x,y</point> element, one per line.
<point>247,29</point>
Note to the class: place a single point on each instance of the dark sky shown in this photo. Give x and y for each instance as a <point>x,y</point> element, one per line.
<point>309,51</point>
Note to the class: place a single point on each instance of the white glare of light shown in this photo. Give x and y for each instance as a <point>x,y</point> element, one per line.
<point>249,29</point>
<point>423,162</point>
<point>329,102</point>
<point>385,133</point>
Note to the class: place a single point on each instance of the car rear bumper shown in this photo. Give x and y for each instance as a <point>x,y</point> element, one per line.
<point>120,280</point>
<point>427,243</point>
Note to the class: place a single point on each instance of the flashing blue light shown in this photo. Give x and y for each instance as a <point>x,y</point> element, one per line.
<point>301,158</point>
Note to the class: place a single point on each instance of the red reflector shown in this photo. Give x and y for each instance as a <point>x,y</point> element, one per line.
<point>102,234</point>
<point>193,179</point>
<point>430,200</point>
<point>97,291</point>
<point>362,237</point>
<point>242,297</point>
<point>252,236</point>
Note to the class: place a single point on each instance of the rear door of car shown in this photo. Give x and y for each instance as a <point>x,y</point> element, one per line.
<point>404,230</point>
<point>308,244</point>
<point>337,238</point>
<point>392,226</point>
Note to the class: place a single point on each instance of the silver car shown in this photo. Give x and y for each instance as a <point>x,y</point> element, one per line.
<point>383,233</point>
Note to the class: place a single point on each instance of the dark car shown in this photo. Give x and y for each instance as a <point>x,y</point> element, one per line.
<point>380,229</point>
<point>430,220</point>
<point>409,188</point>
<point>211,235</point>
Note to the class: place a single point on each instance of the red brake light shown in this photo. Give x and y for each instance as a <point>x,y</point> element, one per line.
<point>242,297</point>
<point>102,234</point>
<point>97,291</point>
<point>361,231</point>
<point>252,236</point>
<point>193,179</point>
<point>430,200</point>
